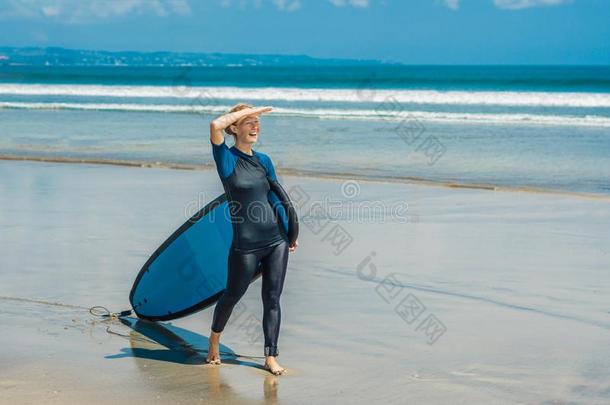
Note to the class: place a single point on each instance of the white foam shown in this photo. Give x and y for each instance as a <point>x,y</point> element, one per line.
<point>356,114</point>
<point>213,94</point>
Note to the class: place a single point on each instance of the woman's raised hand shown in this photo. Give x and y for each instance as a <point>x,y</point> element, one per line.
<point>219,124</point>
<point>260,110</point>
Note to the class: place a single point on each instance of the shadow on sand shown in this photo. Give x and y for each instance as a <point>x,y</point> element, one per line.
<point>181,345</point>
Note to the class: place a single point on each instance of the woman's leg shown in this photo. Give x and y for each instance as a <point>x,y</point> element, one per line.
<point>274,272</point>
<point>241,269</point>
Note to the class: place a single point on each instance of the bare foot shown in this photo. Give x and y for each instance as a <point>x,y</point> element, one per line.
<point>273,367</point>
<point>213,351</point>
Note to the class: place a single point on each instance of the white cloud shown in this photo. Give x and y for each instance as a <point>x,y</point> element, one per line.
<point>452,4</point>
<point>50,11</point>
<point>287,5</point>
<point>180,7</point>
<point>355,3</point>
<point>503,4</point>
<point>80,11</point>
<point>282,5</point>
<point>242,4</point>
<point>521,4</point>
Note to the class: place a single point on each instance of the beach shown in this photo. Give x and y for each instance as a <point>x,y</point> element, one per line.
<point>437,295</point>
<point>448,162</point>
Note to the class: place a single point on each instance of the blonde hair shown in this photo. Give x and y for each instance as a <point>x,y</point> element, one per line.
<point>236,107</point>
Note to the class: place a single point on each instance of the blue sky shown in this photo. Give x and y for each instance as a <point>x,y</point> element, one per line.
<point>408,31</point>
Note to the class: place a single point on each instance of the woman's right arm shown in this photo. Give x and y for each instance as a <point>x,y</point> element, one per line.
<point>218,125</point>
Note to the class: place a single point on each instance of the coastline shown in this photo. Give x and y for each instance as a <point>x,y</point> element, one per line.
<point>315,175</point>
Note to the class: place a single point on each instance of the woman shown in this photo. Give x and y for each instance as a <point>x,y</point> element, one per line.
<point>258,236</point>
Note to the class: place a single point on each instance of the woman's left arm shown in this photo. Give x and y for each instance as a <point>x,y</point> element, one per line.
<point>271,173</point>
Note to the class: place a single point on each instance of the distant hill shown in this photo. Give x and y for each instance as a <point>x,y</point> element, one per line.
<point>80,57</point>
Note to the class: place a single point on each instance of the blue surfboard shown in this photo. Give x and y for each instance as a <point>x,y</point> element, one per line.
<point>188,272</point>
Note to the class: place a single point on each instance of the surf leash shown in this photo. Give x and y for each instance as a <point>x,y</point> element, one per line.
<point>104,312</point>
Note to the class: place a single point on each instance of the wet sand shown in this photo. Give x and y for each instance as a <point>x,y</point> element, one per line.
<point>466,296</point>
<point>310,174</point>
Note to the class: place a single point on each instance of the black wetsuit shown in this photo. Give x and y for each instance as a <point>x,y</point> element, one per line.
<point>258,237</point>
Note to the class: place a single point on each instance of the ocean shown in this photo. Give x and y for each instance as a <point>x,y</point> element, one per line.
<point>540,127</point>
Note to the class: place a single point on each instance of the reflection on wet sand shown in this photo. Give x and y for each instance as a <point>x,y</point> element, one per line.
<point>183,347</point>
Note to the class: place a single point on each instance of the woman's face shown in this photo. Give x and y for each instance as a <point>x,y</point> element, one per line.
<point>247,130</point>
